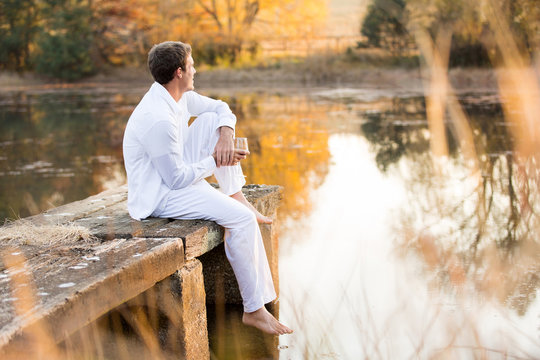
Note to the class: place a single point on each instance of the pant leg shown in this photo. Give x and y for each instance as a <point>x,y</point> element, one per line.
<point>203,135</point>
<point>244,246</point>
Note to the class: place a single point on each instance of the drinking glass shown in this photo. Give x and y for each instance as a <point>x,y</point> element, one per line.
<point>241,143</point>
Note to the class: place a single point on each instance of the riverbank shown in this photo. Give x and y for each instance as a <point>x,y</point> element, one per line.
<point>287,76</point>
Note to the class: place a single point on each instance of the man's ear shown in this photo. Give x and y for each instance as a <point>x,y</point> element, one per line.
<point>179,72</point>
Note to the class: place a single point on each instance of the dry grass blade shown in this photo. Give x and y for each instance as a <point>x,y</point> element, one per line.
<point>23,232</point>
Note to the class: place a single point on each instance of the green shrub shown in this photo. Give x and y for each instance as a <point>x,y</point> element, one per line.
<point>64,46</point>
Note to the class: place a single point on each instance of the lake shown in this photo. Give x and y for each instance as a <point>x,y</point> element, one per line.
<point>385,250</point>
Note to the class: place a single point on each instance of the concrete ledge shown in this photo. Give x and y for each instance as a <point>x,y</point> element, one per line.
<point>80,287</point>
<point>48,292</point>
<point>79,209</point>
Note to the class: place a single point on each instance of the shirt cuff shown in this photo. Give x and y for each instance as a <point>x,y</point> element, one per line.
<point>209,164</point>
<point>227,121</point>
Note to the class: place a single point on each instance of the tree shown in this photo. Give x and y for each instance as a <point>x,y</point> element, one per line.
<point>455,26</point>
<point>527,19</point>
<point>65,41</point>
<point>70,39</point>
<point>464,26</point>
<point>385,26</point>
<point>17,29</point>
<point>233,24</point>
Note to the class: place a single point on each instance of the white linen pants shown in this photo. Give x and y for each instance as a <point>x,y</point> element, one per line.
<point>243,241</point>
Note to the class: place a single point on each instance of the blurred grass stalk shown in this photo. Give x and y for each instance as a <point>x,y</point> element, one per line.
<point>517,85</point>
<point>518,89</point>
<point>38,341</point>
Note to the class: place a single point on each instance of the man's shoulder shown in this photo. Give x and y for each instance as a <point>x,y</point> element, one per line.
<point>193,95</point>
<point>149,113</point>
<point>152,107</point>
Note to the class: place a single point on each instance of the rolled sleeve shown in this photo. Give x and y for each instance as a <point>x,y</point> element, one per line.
<point>227,121</point>
<point>209,164</point>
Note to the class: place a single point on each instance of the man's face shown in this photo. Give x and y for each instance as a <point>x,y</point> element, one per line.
<point>187,75</point>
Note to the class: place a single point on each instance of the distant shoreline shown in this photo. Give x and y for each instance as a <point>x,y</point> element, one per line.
<point>266,79</point>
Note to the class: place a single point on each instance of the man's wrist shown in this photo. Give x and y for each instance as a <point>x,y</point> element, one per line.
<point>226,131</point>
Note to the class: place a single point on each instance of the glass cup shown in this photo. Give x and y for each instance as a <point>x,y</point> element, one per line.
<point>241,143</point>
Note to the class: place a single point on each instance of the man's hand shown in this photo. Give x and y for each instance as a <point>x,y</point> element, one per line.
<point>224,150</point>
<point>239,155</point>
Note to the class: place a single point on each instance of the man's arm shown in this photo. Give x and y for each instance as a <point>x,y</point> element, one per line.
<point>224,150</point>
<point>162,145</point>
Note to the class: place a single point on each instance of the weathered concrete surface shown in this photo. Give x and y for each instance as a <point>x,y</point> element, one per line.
<point>179,302</point>
<point>106,216</point>
<point>270,237</point>
<point>75,286</point>
<point>195,331</point>
<point>114,222</point>
<point>199,236</point>
<point>79,209</point>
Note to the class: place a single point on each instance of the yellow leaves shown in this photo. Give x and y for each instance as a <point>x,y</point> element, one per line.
<point>289,147</point>
<point>226,31</point>
<point>293,18</point>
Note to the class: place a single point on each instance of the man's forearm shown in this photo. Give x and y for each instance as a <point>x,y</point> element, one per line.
<point>224,150</point>
<point>226,131</point>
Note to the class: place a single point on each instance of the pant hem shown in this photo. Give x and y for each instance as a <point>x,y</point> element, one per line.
<point>253,308</point>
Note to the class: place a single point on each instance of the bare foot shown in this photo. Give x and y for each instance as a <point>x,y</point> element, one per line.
<point>266,322</point>
<point>261,219</point>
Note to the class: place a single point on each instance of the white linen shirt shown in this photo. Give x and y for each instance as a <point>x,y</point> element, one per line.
<point>153,146</point>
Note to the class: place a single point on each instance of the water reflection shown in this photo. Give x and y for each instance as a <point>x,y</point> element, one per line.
<point>288,144</point>
<point>384,251</point>
<point>57,148</point>
<point>466,224</point>
<point>467,233</point>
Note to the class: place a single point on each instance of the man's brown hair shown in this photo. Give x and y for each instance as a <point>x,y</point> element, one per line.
<point>165,58</point>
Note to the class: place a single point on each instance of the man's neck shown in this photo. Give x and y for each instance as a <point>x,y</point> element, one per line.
<point>173,89</point>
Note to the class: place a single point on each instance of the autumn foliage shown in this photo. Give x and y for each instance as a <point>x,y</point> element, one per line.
<point>53,36</point>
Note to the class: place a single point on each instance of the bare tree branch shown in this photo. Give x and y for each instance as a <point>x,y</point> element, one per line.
<point>252,9</point>
<point>211,13</point>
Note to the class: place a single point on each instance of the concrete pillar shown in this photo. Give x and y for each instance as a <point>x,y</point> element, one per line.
<point>176,308</point>
<point>195,333</point>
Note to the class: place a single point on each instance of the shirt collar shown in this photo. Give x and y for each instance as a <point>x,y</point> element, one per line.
<point>160,91</point>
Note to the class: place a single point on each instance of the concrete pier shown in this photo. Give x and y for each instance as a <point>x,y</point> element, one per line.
<point>48,292</point>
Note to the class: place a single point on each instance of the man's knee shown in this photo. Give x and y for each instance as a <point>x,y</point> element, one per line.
<point>206,124</point>
<point>207,118</point>
<point>247,217</point>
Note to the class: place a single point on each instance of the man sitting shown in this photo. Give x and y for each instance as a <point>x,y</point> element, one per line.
<point>166,162</point>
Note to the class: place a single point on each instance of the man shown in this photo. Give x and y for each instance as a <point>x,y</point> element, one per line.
<point>166,163</point>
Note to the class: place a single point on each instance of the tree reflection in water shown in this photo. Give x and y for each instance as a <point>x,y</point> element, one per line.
<point>56,148</point>
<point>288,139</point>
<point>469,227</point>
<point>59,147</point>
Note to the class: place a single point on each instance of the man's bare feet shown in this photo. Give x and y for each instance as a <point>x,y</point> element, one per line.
<point>261,219</point>
<point>266,322</point>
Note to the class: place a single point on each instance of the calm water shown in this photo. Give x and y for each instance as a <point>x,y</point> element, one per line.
<point>385,253</point>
